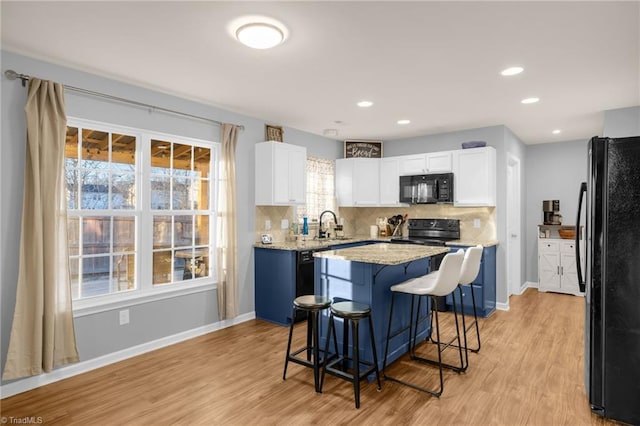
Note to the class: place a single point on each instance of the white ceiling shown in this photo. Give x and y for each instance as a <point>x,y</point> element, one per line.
<point>435,63</point>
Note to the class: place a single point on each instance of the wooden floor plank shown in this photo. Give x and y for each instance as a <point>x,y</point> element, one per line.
<point>529,371</point>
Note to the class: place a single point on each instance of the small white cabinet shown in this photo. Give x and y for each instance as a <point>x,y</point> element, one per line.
<point>281,174</point>
<point>358,182</point>
<point>433,162</point>
<point>557,266</point>
<point>474,177</point>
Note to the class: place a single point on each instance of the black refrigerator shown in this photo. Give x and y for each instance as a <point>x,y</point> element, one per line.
<point>612,277</point>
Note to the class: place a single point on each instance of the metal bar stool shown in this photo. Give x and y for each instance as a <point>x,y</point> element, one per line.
<point>351,312</point>
<point>438,283</point>
<point>312,305</point>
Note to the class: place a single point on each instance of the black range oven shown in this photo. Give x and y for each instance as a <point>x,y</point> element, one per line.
<point>431,232</point>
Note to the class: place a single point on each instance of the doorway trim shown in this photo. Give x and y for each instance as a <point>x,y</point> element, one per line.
<point>515,285</point>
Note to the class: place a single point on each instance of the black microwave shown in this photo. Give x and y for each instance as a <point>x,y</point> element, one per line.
<point>427,189</point>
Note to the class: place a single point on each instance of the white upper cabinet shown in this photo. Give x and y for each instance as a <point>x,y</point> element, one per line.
<point>474,177</point>
<point>389,181</point>
<point>418,164</point>
<point>281,174</point>
<point>358,182</point>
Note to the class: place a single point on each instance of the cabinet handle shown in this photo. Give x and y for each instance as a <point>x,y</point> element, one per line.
<point>562,270</point>
<point>558,270</point>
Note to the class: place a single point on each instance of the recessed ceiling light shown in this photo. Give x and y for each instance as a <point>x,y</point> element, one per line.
<point>556,131</point>
<point>401,122</point>
<point>530,100</point>
<point>512,71</point>
<point>365,104</point>
<point>260,35</point>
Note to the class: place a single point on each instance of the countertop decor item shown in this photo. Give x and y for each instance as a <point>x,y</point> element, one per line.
<point>567,234</point>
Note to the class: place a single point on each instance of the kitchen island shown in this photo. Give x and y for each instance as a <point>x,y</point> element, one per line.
<point>365,274</point>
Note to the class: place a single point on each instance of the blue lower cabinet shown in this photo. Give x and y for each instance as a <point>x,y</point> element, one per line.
<point>484,286</point>
<point>275,284</point>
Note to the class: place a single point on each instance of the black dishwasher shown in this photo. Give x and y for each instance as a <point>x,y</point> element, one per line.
<point>304,276</point>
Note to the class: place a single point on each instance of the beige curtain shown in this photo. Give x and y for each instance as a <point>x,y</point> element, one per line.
<point>42,333</point>
<point>227,251</point>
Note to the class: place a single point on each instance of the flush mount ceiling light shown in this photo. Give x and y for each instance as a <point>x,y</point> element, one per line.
<point>364,104</point>
<point>556,131</point>
<point>260,35</point>
<point>511,71</point>
<point>403,122</point>
<point>530,100</point>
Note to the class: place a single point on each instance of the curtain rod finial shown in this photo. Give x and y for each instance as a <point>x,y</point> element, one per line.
<point>11,74</point>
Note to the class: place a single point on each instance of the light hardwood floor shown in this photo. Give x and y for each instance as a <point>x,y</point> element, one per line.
<point>529,371</point>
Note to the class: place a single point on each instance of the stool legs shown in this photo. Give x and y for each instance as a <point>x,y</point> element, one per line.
<point>356,376</point>
<point>312,347</point>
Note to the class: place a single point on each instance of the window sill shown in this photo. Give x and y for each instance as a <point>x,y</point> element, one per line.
<point>111,302</point>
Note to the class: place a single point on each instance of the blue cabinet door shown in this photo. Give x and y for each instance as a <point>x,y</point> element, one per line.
<point>275,284</point>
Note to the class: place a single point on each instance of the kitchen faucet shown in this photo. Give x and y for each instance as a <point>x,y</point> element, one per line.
<point>321,233</point>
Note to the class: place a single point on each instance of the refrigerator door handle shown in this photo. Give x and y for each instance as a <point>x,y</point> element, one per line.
<point>581,282</point>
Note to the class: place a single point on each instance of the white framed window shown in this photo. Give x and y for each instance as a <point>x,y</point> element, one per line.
<point>141,209</point>
<point>320,188</point>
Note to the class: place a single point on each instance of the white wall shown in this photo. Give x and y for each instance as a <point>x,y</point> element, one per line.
<point>99,334</point>
<point>554,171</point>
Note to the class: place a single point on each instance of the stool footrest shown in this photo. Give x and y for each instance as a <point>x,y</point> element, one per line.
<point>348,376</point>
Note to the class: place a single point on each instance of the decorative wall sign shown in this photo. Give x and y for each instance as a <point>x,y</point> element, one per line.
<point>362,149</point>
<point>273,133</point>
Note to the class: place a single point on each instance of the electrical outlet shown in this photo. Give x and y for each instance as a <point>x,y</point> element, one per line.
<point>476,223</point>
<point>124,317</point>
<point>284,224</point>
<point>267,225</point>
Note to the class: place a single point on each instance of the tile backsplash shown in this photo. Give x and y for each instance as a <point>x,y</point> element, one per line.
<point>357,220</point>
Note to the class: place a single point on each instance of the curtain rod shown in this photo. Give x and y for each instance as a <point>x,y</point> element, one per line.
<point>12,75</point>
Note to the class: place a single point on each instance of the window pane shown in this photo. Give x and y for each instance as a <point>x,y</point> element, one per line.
<point>73,236</point>
<point>200,192</point>
<point>183,231</point>
<point>161,232</point>
<point>202,230</point>
<point>122,278</point>
<point>95,146</point>
<point>71,183</point>
<point>123,152</point>
<point>181,199</point>
<point>202,161</point>
<point>95,190</point>
<point>95,276</point>
<point>181,158</point>
<point>160,157</point>
<point>124,233</point>
<point>74,273</point>
<point>96,235</point>
<point>160,193</point>
<point>123,191</point>
<point>162,267</point>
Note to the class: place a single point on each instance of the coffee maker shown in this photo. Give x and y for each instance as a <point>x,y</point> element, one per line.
<point>551,212</point>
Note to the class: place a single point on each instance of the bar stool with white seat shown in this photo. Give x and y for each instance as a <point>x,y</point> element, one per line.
<point>438,283</point>
<point>468,274</point>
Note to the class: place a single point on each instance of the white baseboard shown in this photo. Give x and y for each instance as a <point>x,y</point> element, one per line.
<point>502,306</point>
<point>65,372</point>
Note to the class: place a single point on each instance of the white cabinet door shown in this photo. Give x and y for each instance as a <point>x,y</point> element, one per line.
<point>439,162</point>
<point>358,182</point>
<point>413,164</point>
<point>474,177</point>
<point>549,271</point>
<point>366,182</point>
<point>298,176</point>
<point>344,182</point>
<point>569,273</point>
<point>281,174</point>
<point>389,181</point>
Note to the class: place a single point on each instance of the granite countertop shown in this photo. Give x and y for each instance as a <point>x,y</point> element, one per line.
<point>314,244</point>
<point>383,254</point>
